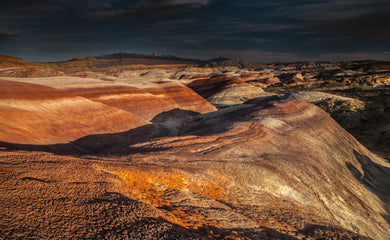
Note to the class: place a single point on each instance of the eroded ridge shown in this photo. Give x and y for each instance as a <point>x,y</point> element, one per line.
<point>284,165</point>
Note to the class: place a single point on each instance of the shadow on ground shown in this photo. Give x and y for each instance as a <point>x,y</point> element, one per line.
<point>374,177</point>
<point>93,144</point>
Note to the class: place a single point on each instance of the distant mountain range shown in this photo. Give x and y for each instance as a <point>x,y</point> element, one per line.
<point>214,62</point>
<point>131,57</point>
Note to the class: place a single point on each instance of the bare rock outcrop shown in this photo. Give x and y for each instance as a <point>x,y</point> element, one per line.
<point>30,72</point>
<point>36,114</point>
<point>183,96</point>
<point>235,92</point>
<point>226,90</point>
<point>131,99</point>
<point>147,102</point>
<point>347,111</point>
<point>280,165</point>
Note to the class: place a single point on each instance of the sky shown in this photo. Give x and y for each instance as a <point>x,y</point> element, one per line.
<point>258,31</point>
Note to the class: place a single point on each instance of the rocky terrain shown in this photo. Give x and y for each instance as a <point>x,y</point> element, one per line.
<point>194,150</point>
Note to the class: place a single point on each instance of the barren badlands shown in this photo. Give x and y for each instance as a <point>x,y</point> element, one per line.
<point>155,147</point>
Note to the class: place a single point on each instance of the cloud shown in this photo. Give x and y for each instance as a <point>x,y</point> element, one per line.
<point>331,10</point>
<point>147,8</point>
<point>358,20</point>
<point>8,33</point>
<point>373,26</point>
<point>172,4</point>
<point>29,7</point>
<point>173,25</point>
<point>243,39</point>
<point>234,25</point>
<point>64,46</point>
<point>100,9</point>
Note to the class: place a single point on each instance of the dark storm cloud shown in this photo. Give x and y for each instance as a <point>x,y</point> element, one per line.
<point>146,8</point>
<point>168,4</point>
<point>357,19</point>
<point>8,33</point>
<point>99,9</point>
<point>369,26</point>
<point>334,10</point>
<point>29,7</point>
<point>252,30</point>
